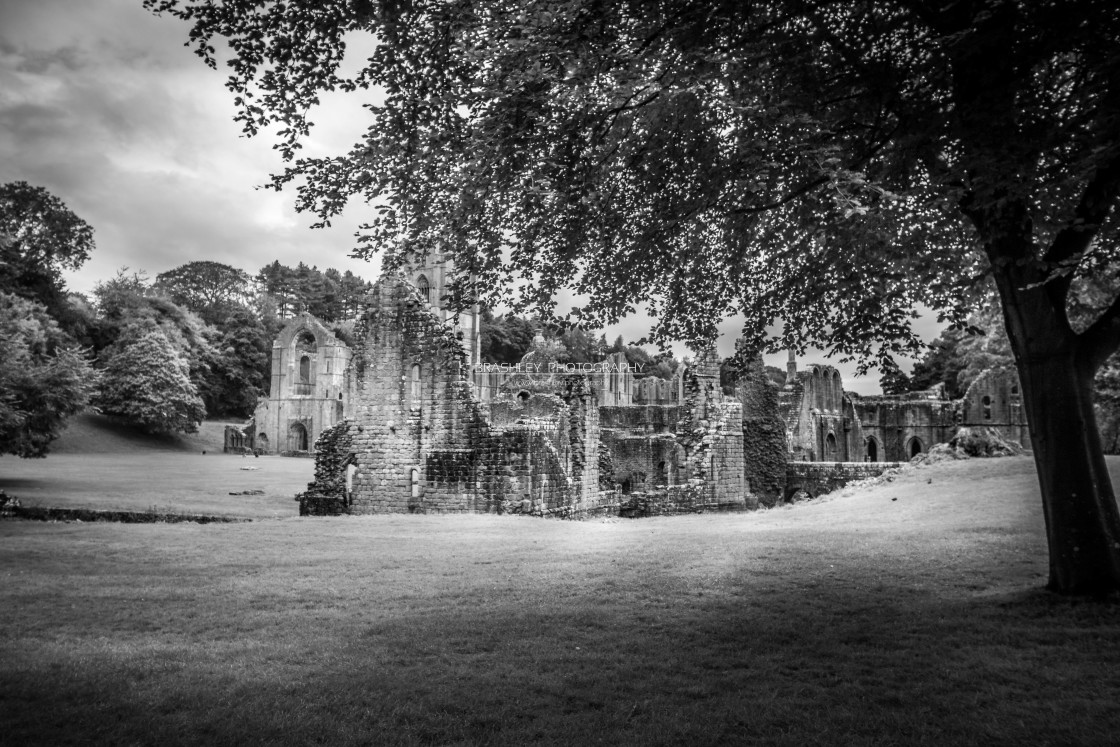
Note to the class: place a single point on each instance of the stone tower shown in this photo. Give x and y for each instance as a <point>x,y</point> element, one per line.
<point>432,275</point>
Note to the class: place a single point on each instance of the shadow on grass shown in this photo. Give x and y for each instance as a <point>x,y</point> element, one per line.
<point>859,660</point>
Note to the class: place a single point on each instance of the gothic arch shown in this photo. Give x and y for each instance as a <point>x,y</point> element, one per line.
<point>914,447</point>
<point>298,437</point>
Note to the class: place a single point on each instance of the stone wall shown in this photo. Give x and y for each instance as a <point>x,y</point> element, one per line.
<point>822,425</point>
<point>422,442</point>
<point>654,391</point>
<point>307,389</point>
<point>679,499</point>
<point>818,478</point>
<point>647,419</point>
<point>898,428</point>
<point>641,462</point>
<point>764,435</point>
<point>994,401</point>
<point>329,493</point>
<point>711,432</point>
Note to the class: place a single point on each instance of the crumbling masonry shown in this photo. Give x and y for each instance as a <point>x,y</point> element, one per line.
<point>417,437</point>
<point>405,421</point>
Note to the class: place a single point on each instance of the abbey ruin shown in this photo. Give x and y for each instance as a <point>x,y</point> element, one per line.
<point>408,420</point>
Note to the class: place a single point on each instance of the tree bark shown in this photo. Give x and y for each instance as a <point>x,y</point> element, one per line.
<point>1082,519</point>
<point>1056,365</point>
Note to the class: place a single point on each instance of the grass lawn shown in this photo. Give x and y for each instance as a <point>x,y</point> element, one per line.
<point>905,613</point>
<point>99,464</point>
<point>167,481</point>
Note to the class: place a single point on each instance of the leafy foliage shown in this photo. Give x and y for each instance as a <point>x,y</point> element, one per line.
<point>819,167</point>
<point>147,383</point>
<point>209,289</point>
<point>328,294</point>
<point>235,379</point>
<point>43,378</point>
<point>504,339</point>
<point>131,308</point>
<point>39,237</point>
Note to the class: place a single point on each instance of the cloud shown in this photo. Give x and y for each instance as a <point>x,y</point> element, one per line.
<point>102,105</point>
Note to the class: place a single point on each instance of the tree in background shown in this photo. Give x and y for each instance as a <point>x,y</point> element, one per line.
<point>504,339</point>
<point>148,384</point>
<point>582,346</point>
<point>44,378</point>
<point>237,371</point>
<point>129,307</point>
<point>819,167</point>
<point>210,289</point>
<point>329,295</point>
<point>39,238</point>
<point>941,364</point>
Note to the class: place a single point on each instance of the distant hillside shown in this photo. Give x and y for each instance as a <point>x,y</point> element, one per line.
<point>97,434</point>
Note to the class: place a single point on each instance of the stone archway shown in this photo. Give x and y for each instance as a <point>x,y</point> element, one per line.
<point>298,437</point>
<point>872,449</point>
<point>914,447</point>
<point>830,448</point>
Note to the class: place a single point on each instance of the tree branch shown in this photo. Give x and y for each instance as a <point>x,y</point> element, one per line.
<point>1096,202</point>
<point>782,201</point>
<point>1102,338</point>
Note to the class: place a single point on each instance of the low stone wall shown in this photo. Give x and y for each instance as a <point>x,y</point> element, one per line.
<point>818,478</point>
<point>677,499</point>
<point>40,513</point>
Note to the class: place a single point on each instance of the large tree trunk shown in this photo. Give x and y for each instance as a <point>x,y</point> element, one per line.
<point>1082,520</point>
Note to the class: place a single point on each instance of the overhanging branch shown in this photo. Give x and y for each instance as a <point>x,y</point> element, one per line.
<point>1102,338</point>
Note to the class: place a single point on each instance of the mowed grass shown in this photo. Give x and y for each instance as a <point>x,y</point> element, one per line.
<point>910,612</point>
<point>160,481</point>
<point>101,464</point>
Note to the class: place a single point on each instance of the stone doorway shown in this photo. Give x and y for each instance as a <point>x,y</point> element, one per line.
<point>297,437</point>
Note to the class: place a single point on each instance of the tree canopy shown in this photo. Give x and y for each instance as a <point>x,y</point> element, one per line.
<point>39,238</point>
<point>44,378</point>
<point>820,167</point>
<point>209,289</point>
<point>148,384</point>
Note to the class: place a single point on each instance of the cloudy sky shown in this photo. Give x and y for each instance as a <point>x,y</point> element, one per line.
<point>101,104</point>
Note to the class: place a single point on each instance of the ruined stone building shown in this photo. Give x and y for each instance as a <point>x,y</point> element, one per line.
<point>307,390</point>
<point>406,420</point>
<point>899,427</point>
<point>425,431</point>
<point>826,424</point>
<point>822,424</point>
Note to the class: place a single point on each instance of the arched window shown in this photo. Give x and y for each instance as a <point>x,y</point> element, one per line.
<point>425,288</point>
<point>414,386</point>
<point>414,476</point>
<point>987,403</point>
<point>830,448</point>
<point>303,352</point>
<point>914,447</point>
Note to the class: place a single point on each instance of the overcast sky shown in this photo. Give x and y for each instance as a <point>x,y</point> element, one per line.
<point>101,104</point>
